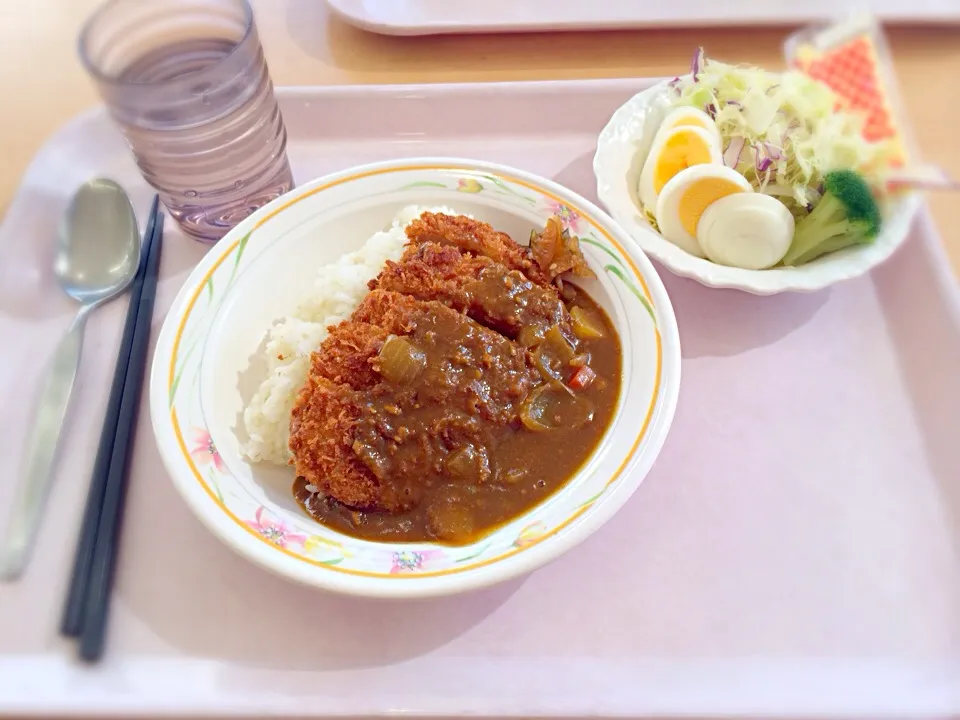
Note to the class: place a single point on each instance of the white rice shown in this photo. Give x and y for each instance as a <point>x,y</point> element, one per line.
<point>336,293</point>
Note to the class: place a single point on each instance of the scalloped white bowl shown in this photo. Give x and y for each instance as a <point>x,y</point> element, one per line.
<point>622,148</point>
<point>256,274</point>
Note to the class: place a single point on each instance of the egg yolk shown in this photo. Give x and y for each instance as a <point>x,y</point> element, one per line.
<point>698,196</point>
<point>680,151</point>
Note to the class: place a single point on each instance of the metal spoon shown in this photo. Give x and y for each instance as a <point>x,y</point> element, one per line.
<point>98,253</point>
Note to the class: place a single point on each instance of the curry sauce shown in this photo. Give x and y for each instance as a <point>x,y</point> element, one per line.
<point>475,473</point>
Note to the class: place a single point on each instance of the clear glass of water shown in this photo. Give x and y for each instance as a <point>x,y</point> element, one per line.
<point>187,82</point>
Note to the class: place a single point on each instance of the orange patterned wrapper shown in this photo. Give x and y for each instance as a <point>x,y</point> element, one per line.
<point>852,59</point>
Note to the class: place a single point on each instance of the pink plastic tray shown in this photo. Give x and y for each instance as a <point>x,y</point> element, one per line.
<point>437,17</point>
<point>794,552</point>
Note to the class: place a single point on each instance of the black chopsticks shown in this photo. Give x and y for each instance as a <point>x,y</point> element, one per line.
<point>88,597</point>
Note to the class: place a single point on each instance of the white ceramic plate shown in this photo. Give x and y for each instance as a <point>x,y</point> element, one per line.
<point>621,151</point>
<point>255,275</point>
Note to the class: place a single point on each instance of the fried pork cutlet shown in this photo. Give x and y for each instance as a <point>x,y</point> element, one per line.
<point>465,363</point>
<point>321,439</point>
<point>501,299</point>
<point>375,445</point>
<point>346,356</point>
<point>390,310</point>
<point>476,238</point>
<point>552,252</point>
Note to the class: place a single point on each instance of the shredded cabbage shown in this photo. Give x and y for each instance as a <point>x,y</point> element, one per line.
<point>791,131</point>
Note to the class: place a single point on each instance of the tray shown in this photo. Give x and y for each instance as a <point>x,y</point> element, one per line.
<point>794,552</point>
<point>437,17</point>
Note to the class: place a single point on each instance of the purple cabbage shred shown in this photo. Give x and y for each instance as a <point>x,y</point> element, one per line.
<point>696,64</point>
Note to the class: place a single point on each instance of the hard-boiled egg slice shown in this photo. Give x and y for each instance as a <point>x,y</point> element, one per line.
<point>691,116</point>
<point>684,199</point>
<point>674,150</point>
<point>746,230</point>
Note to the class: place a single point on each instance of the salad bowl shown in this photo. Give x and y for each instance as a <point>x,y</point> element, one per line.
<point>622,149</point>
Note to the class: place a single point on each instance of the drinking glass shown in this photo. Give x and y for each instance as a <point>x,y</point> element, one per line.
<point>187,82</point>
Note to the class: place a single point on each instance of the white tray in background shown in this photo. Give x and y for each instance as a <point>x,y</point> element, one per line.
<point>793,553</point>
<point>436,17</point>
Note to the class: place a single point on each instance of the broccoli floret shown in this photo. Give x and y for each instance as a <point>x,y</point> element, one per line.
<point>846,215</point>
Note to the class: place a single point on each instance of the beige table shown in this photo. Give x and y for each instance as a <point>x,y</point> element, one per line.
<point>43,85</point>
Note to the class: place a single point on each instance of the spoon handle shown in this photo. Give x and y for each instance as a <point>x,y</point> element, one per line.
<point>41,448</point>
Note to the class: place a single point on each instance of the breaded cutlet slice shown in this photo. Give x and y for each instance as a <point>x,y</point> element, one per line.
<point>499,298</point>
<point>477,238</point>
<point>346,355</point>
<point>404,314</point>
<point>390,310</point>
<point>503,366</point>
<point>321,440</point>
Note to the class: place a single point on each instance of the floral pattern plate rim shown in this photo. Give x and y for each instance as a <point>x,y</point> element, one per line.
<point>219,316</point>
<point>621,148</point>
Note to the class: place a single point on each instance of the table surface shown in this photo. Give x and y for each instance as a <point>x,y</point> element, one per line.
<point>45,86</point>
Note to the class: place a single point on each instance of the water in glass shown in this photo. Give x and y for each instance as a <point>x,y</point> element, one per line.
<point>188,84</point>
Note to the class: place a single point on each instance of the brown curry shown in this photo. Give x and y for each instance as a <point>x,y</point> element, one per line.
<point>470,384</point>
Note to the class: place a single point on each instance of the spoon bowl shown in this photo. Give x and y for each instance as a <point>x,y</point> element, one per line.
<point>95,258</point>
